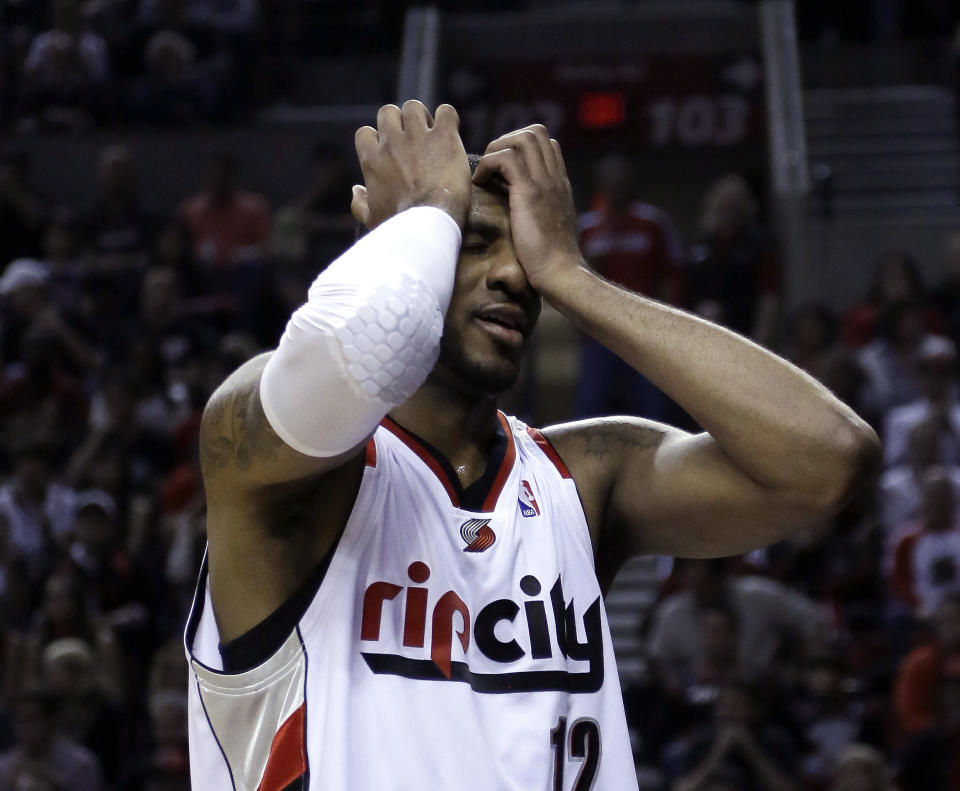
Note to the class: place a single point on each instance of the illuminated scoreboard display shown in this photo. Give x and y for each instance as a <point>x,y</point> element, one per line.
<point>655,103</point>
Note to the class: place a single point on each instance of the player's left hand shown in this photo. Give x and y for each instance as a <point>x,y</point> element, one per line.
<point>542,217</point>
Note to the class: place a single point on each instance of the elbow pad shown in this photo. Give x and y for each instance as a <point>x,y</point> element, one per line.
<point>367,337</point>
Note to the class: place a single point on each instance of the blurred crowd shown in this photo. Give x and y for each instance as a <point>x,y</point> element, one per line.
<point>117,320</point>
<point>73,64</point>
<point>827,662</point>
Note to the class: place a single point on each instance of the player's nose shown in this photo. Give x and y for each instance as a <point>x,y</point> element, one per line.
<point>506,274</point>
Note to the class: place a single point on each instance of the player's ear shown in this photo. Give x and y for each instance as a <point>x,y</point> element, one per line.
<point>359,206</point>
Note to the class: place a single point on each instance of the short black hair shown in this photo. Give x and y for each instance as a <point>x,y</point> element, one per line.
<point>495,184</point>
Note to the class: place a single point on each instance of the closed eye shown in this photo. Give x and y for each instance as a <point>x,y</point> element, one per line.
<point>475,246</point>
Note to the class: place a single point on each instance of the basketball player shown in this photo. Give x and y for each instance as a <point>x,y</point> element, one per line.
<point>403,587</point>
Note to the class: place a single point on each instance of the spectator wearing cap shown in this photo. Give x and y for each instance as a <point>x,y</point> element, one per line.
<point>87,713</point>
<point>117,584</point>
<point>105,569</point>
<point>25,293</point>
<point>938,405</point>
<point>64,612</point>
<point>35,722</point>
<point>926,564</point>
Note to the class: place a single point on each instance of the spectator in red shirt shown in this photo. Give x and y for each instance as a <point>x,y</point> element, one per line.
<point>629,242</point>
<point>228,225</point>
<point>916,690</point>
<point>931,759</point>
<point>633,244</point>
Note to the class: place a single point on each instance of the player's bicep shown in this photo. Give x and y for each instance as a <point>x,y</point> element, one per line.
<point>239,450</point>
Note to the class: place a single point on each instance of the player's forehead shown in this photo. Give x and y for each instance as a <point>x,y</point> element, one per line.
<point>489,211</point>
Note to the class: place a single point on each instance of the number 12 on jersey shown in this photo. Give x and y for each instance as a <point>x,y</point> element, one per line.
<point>584,747</point>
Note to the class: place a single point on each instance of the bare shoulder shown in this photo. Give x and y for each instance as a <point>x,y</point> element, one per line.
<point>595,450</point>
<point>606,438</point>
<point>234,432</point>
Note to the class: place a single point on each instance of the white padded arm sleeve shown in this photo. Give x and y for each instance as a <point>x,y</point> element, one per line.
<point>367,337</point>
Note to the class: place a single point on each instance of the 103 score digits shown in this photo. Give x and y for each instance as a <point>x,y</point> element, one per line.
<point>695,121</point>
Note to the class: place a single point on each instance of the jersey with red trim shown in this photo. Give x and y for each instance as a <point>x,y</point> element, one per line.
<point>455,642</point>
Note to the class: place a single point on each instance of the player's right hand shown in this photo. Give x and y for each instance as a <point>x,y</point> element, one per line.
<point>411,159</point>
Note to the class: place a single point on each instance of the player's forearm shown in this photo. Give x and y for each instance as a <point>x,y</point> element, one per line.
<point>367,336</point>
<point>776,423</point>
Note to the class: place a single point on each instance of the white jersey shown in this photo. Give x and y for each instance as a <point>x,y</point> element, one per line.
<point>452,645</point>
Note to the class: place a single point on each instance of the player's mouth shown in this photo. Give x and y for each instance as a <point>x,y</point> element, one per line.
<point>506,322</point>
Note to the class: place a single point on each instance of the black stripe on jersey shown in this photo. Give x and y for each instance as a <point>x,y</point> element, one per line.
<point>494,683</point>
<point>260,642</point>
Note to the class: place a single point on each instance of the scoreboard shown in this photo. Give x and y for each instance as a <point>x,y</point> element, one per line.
<point>664,102</point>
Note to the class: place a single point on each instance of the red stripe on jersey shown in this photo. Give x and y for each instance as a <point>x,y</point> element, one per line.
<point>549,451</point>
<point>370,453</point>
<point>410,441</point>
<point>490,503</point>
<point>288,753</point>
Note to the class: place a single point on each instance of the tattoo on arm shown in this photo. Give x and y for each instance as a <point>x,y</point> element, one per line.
<point>236,434</point>
<point>613,437</point>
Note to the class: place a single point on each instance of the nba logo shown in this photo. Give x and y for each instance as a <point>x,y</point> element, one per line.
<point>527,502</point>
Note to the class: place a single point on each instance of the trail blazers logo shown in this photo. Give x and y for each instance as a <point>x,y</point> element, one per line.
<point>478,535</point>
